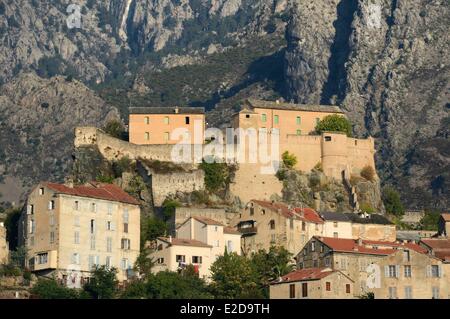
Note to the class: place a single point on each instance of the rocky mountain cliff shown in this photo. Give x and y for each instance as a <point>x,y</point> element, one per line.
<point>386,63</point>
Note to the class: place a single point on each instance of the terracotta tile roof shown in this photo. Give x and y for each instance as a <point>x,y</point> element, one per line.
<point>437,243</point>
<point>207,221</point>
<point>305,275</point>
<point>184,242</point>
<point>367,246</point>
<point>446,216</point>
<point>230,230</point>
<point>443,254</point>
<point>309,214</point>
<point>94,190</point>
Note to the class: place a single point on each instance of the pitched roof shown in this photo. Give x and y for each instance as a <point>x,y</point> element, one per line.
<point>305,275</point>
<point>370,247</point>
<point>371,219</point>
<point>184,242</point>
<point>446,217</point>
<point>437,243</point>
<point>255,103</point>
<point>231,231</point>
<point>166,110</point>
<point>97,190</point>
<point>207,221</point>
<point>306,213</point>
<point>337,217</point>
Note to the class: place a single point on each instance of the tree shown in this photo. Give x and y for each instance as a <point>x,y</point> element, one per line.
<point>153,228</point>
<point>144,263</point>
<point>368,173</point>
<point>392,202</point>
<point>334,123</point>
<point>430,220</point>
<point>135,290</point>
<point>172,285</point>
<point>103,283</point>
<point>233,277</point>
<point>50,289</point>
<point>271,265</point>
<point>114,128</point>
<point>216,176</point>
<point>289,160</point>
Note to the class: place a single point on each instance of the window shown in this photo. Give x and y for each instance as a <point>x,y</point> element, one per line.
<point>76,221</point>
<point>304,290</point>
<point>52,237</point>
<point>299,120</point>
<point>125,244</point>
<point>292,291</point>
<point>109,244</point>
<point>125,228</point>
<point>76,205</point>
<point>276,119</point>
<point>264,118</point>
<point>124,263</point>
<point>291,223</point>
<point>41,191</point>
<point>328,286</point>
<point>180,258</point>
<point>336,235</point>
<point>347,288</point>
<point>125,216</point>
<point>30,209</point>
<point>42,258</point>
<point>196,259</point>
<point>76,258</point>
<point>316,226</point>
<point>31,226</point>
<point>166,136</point>
<point>147,120</point>
<point>392,293</point>
<point>93,207</point>
<point>327,138</point>
<point>147,136</point>
<point>406,256</point>
<point>313,246</point>
<point>92,226</point>
<point>230,246</point>
<point>408,271</point>
<point>263,211</point>
<point>247,116</point>
<point>91,262</point>
<point>76,237</point>
<point>110,209</point>
<point>166,120</point>
<point>435,292</point>
<point>299,132</point>
<point>408,292</point>
<point>108,262</point>
<point>92,242</point>
<point>392,271</point>
<point>335,224</point>
<point>51,205</point>
<point>187,120</point>
<point>109,225</point>
<point>52,220</point>
<point>160,261</point>
<point>435,271</point>
<point>272,224</point>
<point>252,211</point>
<point>327,262</point>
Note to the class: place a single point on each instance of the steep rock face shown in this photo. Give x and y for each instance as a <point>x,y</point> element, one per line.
<point>388,69</point>
<point>37,122</point>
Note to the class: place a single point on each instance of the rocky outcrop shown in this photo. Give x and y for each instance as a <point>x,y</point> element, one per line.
<point>37,124</point>
<point>385,62</point>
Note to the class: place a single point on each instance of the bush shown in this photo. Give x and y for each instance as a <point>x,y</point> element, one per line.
<point>50,289</point>
<point>367,208</point>
<point>430,220</point>
<point>200,197</point>
<point>334,123</point>
<point>368,173</point>
<point>392,201</point>
<point>103,283</point>
<point>216,176</point>
<point>122,165</point>
<point>153,228</point>
<point>289,160</point>
<point>135,186</point>
<point>169,207</point>
<point>114,128</point>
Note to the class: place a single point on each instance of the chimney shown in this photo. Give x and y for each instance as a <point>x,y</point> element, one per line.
<point>177,110</point>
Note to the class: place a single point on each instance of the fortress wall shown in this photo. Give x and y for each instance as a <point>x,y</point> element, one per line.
<point>361,153</point>
<point>306,148</point>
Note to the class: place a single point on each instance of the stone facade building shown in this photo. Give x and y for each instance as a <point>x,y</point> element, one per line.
<point>264,224</point>
<point>444,225</point>
<point>4,249</point>
<point>315,283</point>
<point>350,256</point>
<point>70,229</point>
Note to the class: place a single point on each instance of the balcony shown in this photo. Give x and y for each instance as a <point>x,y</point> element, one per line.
<point>45,260</point>
<point>248,231</point>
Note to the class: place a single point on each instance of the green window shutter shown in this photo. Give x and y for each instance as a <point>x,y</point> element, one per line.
<point>299,120</point>
<point>264,118</point>
<point>277,119</point>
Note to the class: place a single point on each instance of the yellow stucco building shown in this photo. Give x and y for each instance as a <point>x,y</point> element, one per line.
<point>70,229</point>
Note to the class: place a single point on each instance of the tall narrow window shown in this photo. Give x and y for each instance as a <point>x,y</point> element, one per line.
<point>147,136</point>
<point>166,120</point>
<point>392,292</point>
<point>126,215</point>
<point>264,118</point>
<point>187,120</point>
<point>276,119</point>
<point>299,120</point>
<point>328,286</point>
<point>76,237</point>
<point>272,224</point>
<point>52,237</point>
<point>408,292</point>
<point>51,205</point>
<point>76,205</point>
<point>30,209</point>
<point>110,209</point>
<point>93,207</point>
<point>76,221</point>
<point>41,191</point>
<point>166,137</point>
<point>292,291</point>
<point>147,120</point>
<point>347,288</point>
<point>108,262</point>
<point>52,220</point>
<point>109,244</point>
<point>304,290</point>
<point>125,228</point>
<point>299,132</point>
<point>76,258</point>
<point>92,226</point>
<point>435,292</point>
<point>92,242</point>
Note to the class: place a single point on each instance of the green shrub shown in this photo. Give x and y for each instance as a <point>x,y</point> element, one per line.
<point>169,207</point>
<point>50,289</point>
<point>200,197</point>
<point>368,173</point>
<point>367,208</point>
<point>289,160</point>
<point>217,176</point>
<point>334,123</point>
<point>392,201</point>
<point>114,128</point>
